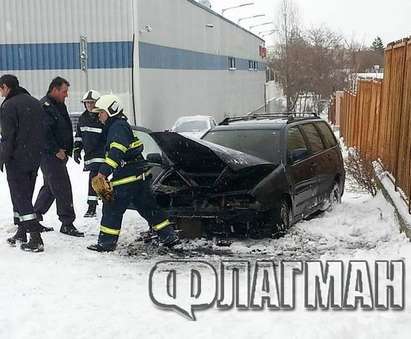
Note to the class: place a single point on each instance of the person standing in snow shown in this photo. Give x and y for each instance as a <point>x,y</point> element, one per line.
<point>59,147</point>
<point>21,147</point>
<point>90,138</point>
<point>130,180</point>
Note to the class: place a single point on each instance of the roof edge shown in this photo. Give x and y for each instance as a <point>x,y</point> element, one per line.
<point>195,3</point>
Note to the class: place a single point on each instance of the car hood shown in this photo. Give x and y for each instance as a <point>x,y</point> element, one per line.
<point>193,135</point>
<point>200,156</point>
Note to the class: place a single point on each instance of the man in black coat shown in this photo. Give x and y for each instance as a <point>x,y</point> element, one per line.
<point>21,147</point>
<point>59,147</point>
<point>90,139</point>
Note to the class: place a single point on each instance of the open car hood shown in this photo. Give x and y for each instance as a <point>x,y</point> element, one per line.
<point>199,156</point>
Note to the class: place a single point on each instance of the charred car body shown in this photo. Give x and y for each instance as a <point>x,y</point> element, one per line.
<point>253,176</point>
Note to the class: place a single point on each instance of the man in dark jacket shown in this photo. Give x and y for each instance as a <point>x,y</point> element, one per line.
<point>130,180</point>
<point>90,138</point>
<point>22,144</point>
<point>59,147</point>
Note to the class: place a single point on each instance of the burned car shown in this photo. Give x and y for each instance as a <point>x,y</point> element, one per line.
<point>251,176</point>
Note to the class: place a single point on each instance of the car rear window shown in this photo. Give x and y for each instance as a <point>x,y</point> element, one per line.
<point>328,136</point>
<point>263,144</point>
<point>313,137</point>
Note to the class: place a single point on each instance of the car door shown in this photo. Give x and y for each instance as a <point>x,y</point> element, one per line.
<point>334,161</point>
<point>299,171</point>
<point>318,162</point>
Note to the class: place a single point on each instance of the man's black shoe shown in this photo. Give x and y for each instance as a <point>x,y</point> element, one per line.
<point>35,244</point>
<point>71,230</point>
<point>100,248</point>
<point>20,236</point>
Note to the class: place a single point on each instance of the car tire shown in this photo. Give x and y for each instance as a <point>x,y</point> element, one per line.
<point>283,218</point>
<point>333,199</point>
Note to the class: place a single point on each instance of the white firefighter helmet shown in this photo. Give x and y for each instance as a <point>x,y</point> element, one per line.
<point>109,103</point>
<point>91,96</point>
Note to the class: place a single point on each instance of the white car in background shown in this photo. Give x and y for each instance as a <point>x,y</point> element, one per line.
<point>193,126</point>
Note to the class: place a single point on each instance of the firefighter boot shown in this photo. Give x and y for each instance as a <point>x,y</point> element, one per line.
<point>168,237</point>
<point>101,248</point>
<point>35,244</point>
<point>20,236</point>
<point>91,212</point>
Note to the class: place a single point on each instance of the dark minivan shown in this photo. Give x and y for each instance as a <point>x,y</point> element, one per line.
<point>253,175</point>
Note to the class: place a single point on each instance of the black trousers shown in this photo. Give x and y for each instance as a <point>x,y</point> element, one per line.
<point>56,187</point>
<point>92,198</point>
<point>21,185</point>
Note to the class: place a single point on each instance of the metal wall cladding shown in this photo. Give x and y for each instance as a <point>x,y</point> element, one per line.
<point>184,25</point>
<point>53,21</point>
<point>39,40</point>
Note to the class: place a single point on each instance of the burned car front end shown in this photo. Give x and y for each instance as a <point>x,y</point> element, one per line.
<point>223,189</point>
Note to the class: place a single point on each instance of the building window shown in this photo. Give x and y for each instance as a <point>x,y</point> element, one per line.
<point>250,65</point>
<point>255,66</point>
<point>231,64</point>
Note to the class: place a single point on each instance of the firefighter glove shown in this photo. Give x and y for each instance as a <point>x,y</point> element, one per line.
<point>102,187</point>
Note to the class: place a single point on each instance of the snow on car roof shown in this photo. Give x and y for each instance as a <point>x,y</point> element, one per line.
<point>194,117</point>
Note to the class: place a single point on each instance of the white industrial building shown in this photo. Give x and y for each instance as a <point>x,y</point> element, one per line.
<point>163,58</point>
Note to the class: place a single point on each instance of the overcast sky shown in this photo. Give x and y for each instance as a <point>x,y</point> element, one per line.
<point>361,19</point>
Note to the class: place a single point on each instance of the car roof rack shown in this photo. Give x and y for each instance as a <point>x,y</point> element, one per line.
<point>291,117</point>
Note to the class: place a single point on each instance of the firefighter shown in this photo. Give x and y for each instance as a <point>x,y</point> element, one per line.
<point>130,180</point>
<point>58,149</point>
<point>90,138</point>
<point>22,143</point>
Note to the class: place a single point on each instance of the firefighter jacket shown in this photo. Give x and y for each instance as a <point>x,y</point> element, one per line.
<point>22,131</point>
<point>90,137</point>
<point>124,157</point>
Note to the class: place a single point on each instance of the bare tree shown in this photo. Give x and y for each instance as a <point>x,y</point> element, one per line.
<point>287,59</point>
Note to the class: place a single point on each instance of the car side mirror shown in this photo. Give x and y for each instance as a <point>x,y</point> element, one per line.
<point>155,158</point>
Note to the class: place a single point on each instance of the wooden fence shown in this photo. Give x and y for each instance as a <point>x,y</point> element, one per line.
<point>377,118</point>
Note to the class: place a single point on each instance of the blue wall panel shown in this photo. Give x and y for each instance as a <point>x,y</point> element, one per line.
<point>110,55</point>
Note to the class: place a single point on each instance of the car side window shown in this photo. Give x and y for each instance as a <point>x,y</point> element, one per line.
<point>313,137</point>
<point>297,149</point>
<point>328,135</point>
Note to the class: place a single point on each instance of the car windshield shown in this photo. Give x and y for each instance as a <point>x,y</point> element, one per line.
<point>263,144</point>
<point>191,126</point>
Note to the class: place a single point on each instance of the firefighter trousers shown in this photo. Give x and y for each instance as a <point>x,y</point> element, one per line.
<point>136,195</point>
<point>56,187</point>
<point>92,198</point>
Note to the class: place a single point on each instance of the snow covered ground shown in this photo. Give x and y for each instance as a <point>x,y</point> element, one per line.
<point>70,292</point>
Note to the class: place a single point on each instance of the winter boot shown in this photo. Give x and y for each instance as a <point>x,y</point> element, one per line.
<point>71,230</point>
<point>101,248</point>
<point>91,212</point>
<point>20,236</point>
<point>167,237</point>
<point>35,244</point>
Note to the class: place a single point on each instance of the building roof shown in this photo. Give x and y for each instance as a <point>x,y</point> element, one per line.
<point>195,3</point>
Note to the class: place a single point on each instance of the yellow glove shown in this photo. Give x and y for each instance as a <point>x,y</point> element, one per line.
<point>102,187</point>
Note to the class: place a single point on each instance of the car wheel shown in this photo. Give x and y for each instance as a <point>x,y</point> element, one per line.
<point>334,198</point>
<point>283,218</point>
